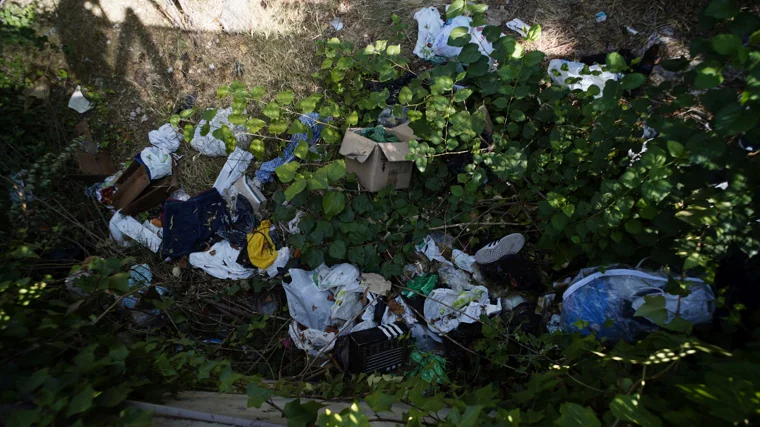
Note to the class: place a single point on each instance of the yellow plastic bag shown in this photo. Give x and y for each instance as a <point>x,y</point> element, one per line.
<point>261,248</point>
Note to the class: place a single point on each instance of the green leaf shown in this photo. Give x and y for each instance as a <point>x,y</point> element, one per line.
<point>287,172</point>
<point>119,282</point>
<point>634,226</point>
<point>309,104</point>
<point>222,91</point>
<point>653,309</point>
<point>258,92</point>
<point>188,133</point>
<point>253,125</point>
<point>456,9</point>
<point>272,110</point>
<point>257,395</point>
<point>23,418</point>
<point>459,37</point>
<point>301,415</point>
<point>628,408</point>
<point>462,94</point>
<point>534,33</point>
<point>187,113</point>
<point>285,97</point>
<point>114,396</point>
<point>336,170</point>
<point>675,148</point>
<point>295,188</point>
<point>559,221</point>
<point>722,9</point>
<point>36,380</point>
<point>469,54</point>
<point>81,402</point>
<point>338,249</point>
<point>708,76</point>
<point>236,119</point>
<point>302,149</point>
<point>405,95</point>
<point>344,63</point>
<point>353,118</point>
<point>379,401</point>
<point>257,148</point>
<point>333,203</point>
<point>755,37</point>
<point>574,415</point>
<point>209,114</point>
<point>533,58</point>
<point>726,44</point>
<point>568,209</point>
<point>517,115</point>
<point>174,120</point>
<point>616,63</point>
<point>632,81</point>
<point>393,50</point>
<point>655,190</point>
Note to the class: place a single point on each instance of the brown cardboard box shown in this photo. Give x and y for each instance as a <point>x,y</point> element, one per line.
<point>136,193</point>
<point>379,164</point>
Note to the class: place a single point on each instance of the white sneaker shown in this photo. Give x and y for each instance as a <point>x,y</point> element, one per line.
<point>494,251</point>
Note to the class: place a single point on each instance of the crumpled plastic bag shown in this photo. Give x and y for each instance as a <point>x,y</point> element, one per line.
<point>307,304</point>
<point>165,138</point>
<point>157,161</point>
<point>221,262</point>
<point>574,70</point>
<point>421,284</point>
<point>310,340</point>
<point>235,166</point>
<point>433,36</point>
<point>283,256</point>
<point>463,261</point>
<point>455,279</point>
<point>341,275</point>
<point>445,309</point>
<point>430,249</point>
<point>211,146</point>
<point>594,297</point>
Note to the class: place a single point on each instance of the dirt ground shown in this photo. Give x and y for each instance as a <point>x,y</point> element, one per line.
<point>148,62</point>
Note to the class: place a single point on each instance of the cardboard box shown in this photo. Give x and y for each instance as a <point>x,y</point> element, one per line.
<point>379,164</point>
<point>136,193</point>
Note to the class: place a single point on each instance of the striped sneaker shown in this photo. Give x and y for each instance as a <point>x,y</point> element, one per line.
<point>494,251</point>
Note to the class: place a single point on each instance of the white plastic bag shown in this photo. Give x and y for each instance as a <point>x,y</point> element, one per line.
<point>311,340</point>
<point>235,166</point>
<point>123,226</point>
<point>445,309</point>
<point>457,280</point>
<point>283,256</point>
<point>165,138</point>
<point>574,70</point>
<point>429,248</point>
<point>463,261</point>
<point>158,162</point>
<point>221,262</point>
<point>209,145</point>
<point>307,304</point>
<point>429,24</point>
<point>343,276</point>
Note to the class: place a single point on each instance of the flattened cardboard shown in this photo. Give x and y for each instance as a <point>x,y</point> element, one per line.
<point>95,167</point>
<point>378,165</point>
<point>136,193</point>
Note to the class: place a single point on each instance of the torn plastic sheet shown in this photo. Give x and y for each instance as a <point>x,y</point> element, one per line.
<point>463,261</point>
<point>313,341</point>
<point>615,294</point>
<point>78,102</point>
<point>122,226</point>
<point>209,145</point>
<point>221,262</point>
<point>429,248</point>
<point>157,161</point>
<point>574,70</point>
<point>445,309</point>
<point>234,168</point>
<point>165,138</point>
<point>283,256</point>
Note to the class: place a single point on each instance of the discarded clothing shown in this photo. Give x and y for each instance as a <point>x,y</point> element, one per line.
<point>421,284</point>
<point>378,134</point>
<point>209,145</point>
<point>123,226</point>
<point>574,69</point>
<point>238,226</point>
<point>78,102</point>
<point>261,248</point>
<point>221,262</point>
<point>616,294</point>
<point>233,169</point>
<point>264,174</point>
<point>446,309</point>
<point>156,161</point>
<point>190,225</point>
<point>165,138</point>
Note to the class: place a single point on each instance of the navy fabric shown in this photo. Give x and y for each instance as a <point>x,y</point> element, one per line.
<point>190,225</point>
<point>236,230</point>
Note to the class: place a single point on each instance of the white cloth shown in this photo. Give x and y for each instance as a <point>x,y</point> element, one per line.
<point>221,262</point>
<point>122,226</point>
<point>210,145</point>
<point>165,138</point>
<point>158,162</point>
<point>574,70</point>
<point>235,166</point>
<point>445,309</point>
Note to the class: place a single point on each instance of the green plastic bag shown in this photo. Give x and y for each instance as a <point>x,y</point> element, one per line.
<point>423,284</point>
